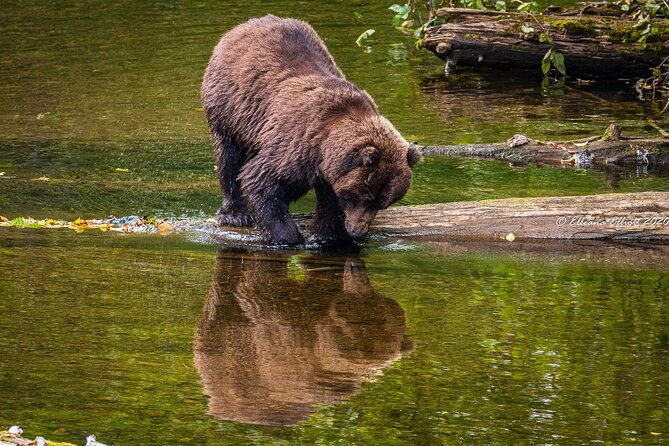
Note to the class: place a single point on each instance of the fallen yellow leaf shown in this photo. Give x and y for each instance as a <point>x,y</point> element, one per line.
<point>164,227</point>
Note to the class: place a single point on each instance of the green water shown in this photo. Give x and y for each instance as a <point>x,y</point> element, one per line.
<point>153,341</point>
<point>91,90</point>
<point>147,340</point>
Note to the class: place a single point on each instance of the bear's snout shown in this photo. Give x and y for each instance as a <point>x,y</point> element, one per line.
<point>358,221</point>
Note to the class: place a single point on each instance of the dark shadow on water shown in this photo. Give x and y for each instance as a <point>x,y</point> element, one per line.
<point>282,331</point>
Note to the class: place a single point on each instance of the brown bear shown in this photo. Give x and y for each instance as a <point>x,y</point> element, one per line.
<point>284,120</point>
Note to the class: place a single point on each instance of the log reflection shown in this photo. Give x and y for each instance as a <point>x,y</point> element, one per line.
<point>281,332</point>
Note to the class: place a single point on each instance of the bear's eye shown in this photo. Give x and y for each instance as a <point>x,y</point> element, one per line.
<point>369,156</point>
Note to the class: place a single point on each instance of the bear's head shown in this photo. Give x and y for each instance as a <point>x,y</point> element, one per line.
<point>369,166</point>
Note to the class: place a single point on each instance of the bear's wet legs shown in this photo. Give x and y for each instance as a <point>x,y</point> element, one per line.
<point>268,200</point>
<point>277,227</point>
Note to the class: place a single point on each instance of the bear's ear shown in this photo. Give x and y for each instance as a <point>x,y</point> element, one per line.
<point>369,156</point>
<point>413,155</point>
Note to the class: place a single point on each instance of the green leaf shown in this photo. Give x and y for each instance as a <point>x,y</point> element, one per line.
<point>526,29</point>
<point>395,8</point>
<point>544,37</point>
<point>625,7</point>
<point>545,66</point>
<point>401,13</point>
<point>524,6</point>
<point>500,5</point>
<point>546,62</point>
<point>357,15</point>
<point>364,36</point>
<point>531,6</point>
<point>642,21</point>
<point>557,60</point>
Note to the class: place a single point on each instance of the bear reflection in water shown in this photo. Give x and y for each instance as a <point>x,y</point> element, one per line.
<point>281,332</point>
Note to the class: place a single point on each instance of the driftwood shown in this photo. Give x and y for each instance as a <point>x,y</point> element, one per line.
<point>623,152</point>
<point>642,216</point>
<point>592,45</point>
<point>607,149</point>
<point>629,216</point>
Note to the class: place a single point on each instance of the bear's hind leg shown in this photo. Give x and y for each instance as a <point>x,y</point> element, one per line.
<point>229,161</point>
<point>269,202</point>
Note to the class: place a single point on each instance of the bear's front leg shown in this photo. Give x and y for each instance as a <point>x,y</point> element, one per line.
<point>274,220</point>
<point>269,205</point>
<point>328,222</point>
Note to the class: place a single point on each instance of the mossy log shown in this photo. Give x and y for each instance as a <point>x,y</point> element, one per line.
<point>593,46</point>
<point>628,216</point>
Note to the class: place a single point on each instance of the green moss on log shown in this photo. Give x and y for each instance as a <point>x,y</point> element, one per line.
<point>575,27</point>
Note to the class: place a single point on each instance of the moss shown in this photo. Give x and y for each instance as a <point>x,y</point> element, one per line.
<point>575,27</point>
<point>627,34</point>
<point>623,34</point>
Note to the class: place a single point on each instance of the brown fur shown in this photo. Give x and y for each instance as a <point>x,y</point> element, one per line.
<point>284,120</point>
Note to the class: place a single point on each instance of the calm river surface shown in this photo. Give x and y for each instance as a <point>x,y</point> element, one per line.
<point>149,340</point>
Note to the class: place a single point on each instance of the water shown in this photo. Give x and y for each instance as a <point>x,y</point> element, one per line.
<point>168,340</point>
<point>148,340</point>
<point>90,92</point>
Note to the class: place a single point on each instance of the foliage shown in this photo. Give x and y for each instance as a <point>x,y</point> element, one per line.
<point>644,30</point>
<point>364,36</point>
<point>655,86</point>
<point>401,13</point>
<point>553,59</point>
<point>645,12</point>
<point>131,223</point>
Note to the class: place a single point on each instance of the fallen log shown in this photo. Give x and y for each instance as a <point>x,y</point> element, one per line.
<point>623,152</point>
<point>593,46</point>
<point>605,150</point>
<point>630,216</point>
<point>641,216</point>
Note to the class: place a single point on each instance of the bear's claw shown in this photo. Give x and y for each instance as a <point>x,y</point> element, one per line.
<point>233,218</point>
